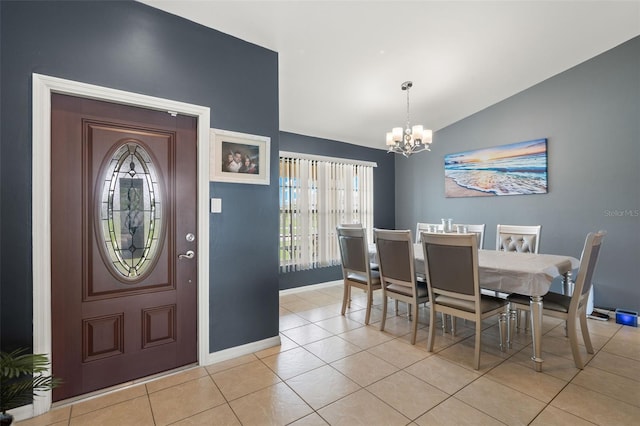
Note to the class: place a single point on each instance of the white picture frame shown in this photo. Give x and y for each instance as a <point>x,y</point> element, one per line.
<point>239,157</point>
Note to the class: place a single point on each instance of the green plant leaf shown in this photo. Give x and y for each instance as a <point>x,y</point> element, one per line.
<point>18,363</point>
<point>22,376</point>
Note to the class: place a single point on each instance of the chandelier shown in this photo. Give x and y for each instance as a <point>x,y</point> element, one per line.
<point>411,139</point>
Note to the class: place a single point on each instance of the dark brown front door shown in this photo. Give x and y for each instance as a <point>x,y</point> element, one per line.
<point>123,210</point>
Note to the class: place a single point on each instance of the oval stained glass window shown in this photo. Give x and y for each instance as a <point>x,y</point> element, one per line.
<point>130,211</point>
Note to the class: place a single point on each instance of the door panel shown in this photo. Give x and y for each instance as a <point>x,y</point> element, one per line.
<point>123,198</point>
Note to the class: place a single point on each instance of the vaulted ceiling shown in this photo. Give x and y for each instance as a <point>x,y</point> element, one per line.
<point>341,63</point>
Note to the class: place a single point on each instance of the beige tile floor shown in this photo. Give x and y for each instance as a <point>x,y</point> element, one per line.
<point>334,370</point>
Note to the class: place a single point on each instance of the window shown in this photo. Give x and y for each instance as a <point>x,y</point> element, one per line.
<point>130,212</point>
<point>316,195</point>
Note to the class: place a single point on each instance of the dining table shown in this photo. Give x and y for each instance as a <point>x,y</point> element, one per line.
<point>530,274</point>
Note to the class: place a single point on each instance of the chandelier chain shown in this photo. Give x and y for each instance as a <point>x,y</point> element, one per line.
<point>408,113</point>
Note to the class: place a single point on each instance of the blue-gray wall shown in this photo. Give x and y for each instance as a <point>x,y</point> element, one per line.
<point>591,117</point>
<point>133,47</point>
<point>383,208</point>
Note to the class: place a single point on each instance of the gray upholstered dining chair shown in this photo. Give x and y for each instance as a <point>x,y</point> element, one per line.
<point>426,227</point>
<point>572,308</point>
<point>356,269</point>
<point>397,273</point>
<point>451,266</point>
<point>373,265</point>
<point>477,229</point>
<point>519,238</point>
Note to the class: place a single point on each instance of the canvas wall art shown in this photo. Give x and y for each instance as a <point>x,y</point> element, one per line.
<point>514,169</point>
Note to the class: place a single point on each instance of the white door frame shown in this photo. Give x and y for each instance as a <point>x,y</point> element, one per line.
<point>43,87</point>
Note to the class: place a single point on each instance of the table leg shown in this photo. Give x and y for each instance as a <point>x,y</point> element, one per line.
<point>536,330</point>
<point>503,328</point>
<point>567,284</point>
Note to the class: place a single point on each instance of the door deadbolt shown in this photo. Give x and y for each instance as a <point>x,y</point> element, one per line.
<point>190,237</point>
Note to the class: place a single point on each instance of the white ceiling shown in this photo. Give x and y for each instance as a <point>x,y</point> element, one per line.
<point>341,63</point>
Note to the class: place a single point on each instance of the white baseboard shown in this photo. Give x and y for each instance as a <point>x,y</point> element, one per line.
<point>309,287</point>
<point>237,351</point>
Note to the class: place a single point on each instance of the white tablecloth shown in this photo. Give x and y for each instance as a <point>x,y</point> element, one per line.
<point>510,272</point>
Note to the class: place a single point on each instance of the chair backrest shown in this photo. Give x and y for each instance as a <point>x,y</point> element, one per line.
<point>354,251</point>
<point>451,266</point>
<point>476,229</point>
<point>395,257</point>
<point>588,260</point>
<point>519,238</point>
<point>422,226</point>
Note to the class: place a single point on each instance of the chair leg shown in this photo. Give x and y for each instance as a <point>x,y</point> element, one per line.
<point>415,323</point>
<point>527,320</point>
<point>477,349</point>
<point>444,323</point>
<point>573,341</point>
<point>369,303</point>
<point>585,332</point>
<point>384,311</point>
<point>511,324</point>
<point>454,321</point>
<point>432,328</point>
<point>346,298</point>
<point>396,307</point>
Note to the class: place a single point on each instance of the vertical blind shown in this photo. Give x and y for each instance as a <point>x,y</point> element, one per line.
<point>315,197</point>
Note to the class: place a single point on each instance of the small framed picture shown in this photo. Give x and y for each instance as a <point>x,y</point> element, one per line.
<point>239,157</point>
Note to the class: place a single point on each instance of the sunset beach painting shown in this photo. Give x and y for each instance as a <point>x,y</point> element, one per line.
<point>513,169</point>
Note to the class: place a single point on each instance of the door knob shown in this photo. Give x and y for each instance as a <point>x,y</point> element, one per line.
<point>188,255</point>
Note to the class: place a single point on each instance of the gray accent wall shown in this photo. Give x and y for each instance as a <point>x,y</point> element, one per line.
<point>590,115</point>
<point>383,184</point>
<point>130,46</point>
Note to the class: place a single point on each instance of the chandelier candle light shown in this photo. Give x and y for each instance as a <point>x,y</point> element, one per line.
<point>411,139</point>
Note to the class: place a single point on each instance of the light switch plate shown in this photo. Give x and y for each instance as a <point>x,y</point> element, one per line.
<point>216,205</point>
